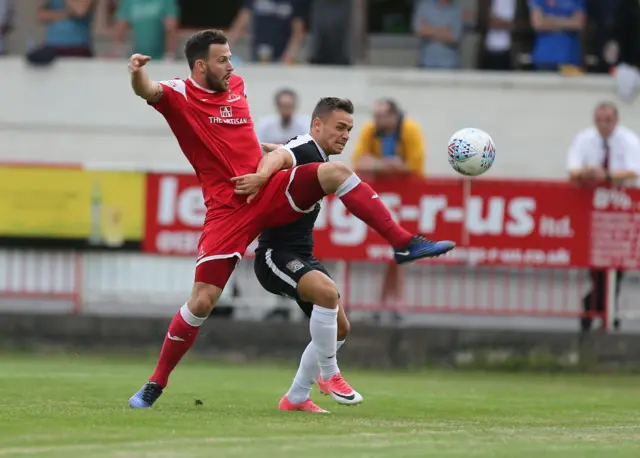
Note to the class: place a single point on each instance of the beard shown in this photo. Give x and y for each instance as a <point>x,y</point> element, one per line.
<point>216,84</point>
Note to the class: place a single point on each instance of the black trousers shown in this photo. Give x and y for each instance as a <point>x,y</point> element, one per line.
<point>594,301</point>
<point>497,61</point>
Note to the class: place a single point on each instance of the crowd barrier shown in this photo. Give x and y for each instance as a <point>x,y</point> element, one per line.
<point>524,247</point>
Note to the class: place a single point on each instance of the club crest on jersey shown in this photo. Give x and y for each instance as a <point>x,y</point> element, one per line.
<point>233,97</point>
<point>294,265</point>
<point>225,112</point>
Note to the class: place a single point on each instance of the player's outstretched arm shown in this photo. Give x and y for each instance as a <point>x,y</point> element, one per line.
<point>141,84</point>
<point>250,184</point>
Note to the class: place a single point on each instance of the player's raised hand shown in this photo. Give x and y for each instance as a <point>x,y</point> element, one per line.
<point>249,185</point>
<point>137,61</point>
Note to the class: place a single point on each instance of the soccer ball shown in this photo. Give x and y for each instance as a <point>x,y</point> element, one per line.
<point>471,151</point>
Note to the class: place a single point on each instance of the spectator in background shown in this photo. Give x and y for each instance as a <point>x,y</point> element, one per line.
<point>6,20</point>
<point>286,124</point>
<point>68,27</point>
<point>439,25</point>
<point>496,54</point>
<point>330,32</point>
<point>278,29</point>
<point>392,143</point>
<point>558,25</point>
<point>605,154</point>
<point>624,47</point>
<point>601,15</point>
<point>154,25</point>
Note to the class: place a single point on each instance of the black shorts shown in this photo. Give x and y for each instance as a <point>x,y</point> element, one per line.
<point>279,272</point>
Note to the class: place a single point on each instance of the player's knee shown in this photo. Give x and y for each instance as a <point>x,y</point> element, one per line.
<point>203,299</point>
<point>326,295</point>
<point>332,174</point>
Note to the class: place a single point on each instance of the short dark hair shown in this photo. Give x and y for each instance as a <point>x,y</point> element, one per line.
<point>286,91</point>
<point>328,105</point>
<point>391,104</point>
<point>610,105</point>
<point>197,46</point>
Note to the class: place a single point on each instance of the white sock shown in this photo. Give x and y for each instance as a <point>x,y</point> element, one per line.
<point>307,374</point>
<point>323,327</point>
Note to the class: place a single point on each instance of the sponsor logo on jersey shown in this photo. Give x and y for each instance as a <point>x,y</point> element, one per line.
<point>294,265</point>
<point>226,112</point>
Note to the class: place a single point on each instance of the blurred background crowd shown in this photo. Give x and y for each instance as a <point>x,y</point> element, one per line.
<point>566,35</point>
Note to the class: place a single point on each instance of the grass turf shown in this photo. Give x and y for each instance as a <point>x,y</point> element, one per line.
<point>75,406</point>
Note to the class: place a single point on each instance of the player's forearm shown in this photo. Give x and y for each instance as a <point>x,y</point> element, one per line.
<point>144,87</point>
<point>273,162</point>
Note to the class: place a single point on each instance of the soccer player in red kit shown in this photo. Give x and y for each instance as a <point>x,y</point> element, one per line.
<point>209,115</point>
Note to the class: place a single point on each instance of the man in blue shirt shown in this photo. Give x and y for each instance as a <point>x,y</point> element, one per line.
<point>558,24</point>
<point>439,25</point>
<point>278,28</point>
<point>68,26</point>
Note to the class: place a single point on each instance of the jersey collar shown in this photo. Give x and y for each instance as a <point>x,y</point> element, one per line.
<point>200,87</point>
<point>322,153</point>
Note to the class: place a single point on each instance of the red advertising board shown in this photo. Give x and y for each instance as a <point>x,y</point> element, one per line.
<point>494,222</point>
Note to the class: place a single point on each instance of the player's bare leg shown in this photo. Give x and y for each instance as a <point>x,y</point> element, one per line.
<point>181,335</point>
<point>329,327</point>
<point>363,202</point>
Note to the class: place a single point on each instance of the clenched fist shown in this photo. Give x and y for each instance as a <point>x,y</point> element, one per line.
<point>137,61</point>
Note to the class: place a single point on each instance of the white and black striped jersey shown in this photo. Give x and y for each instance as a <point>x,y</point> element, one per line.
<point>296,237</point>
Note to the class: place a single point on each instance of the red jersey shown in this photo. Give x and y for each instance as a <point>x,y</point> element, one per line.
<point>216,134</point>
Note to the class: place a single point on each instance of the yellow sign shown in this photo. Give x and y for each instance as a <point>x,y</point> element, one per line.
<point>103,207</point>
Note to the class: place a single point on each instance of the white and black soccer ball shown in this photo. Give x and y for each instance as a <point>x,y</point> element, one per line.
<point>471,151</point>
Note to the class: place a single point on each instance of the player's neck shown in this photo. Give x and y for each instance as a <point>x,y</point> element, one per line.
<point>200,83</point>
<point>320,144</point>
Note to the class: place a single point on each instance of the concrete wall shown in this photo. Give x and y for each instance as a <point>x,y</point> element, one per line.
<point>84,111</point>
<point>378,347</point>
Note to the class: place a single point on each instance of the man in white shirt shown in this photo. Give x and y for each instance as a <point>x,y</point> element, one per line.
<point>286,124</point>
<point>606,153</point>
<point>497,43</point>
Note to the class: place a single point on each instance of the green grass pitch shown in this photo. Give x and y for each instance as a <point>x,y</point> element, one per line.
<point>72,406</point>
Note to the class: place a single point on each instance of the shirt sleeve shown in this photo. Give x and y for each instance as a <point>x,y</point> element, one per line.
<point>124,11</point>
<point>535,4</point>
<point>457,25</point>
<point>504,9</point>
<point>414,148</point>
<point>299,10</point>
<point>364,145</point>
<point>575,157</point>
<point>174,97</point>
<point>303,151</point>
<point>170,9</point>
<point>419,15</point>
<point>632,154</point>
<point>262,130</point>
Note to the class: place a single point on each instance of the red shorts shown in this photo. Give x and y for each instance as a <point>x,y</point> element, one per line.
<point>227,233</point>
